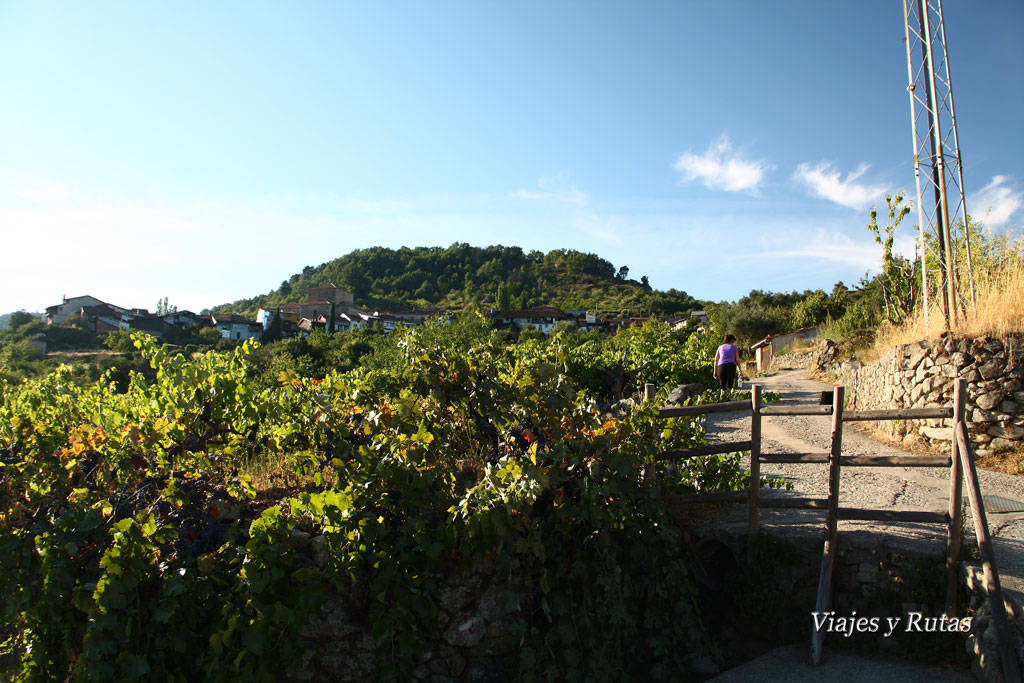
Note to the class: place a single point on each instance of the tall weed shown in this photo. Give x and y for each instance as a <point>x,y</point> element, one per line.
<point>999,296</point>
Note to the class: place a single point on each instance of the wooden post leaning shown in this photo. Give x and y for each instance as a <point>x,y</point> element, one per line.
<point>828,554</point>
<point>755,468</point>
<point>953,537</point>
<point>649,391</point>
<point>1004,640</point>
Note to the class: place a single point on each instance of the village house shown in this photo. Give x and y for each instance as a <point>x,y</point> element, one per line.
<point>331,293</point>
<point>103,318</point>
<point>150,324</point>
<point>418,316</point>
<point>236,327</point>
<point>290,312</point>
<point>687,320</point>
<point>184,319</point>
<point>616,324</point>
<point>343,322</point>
<point>308,325</point>
<point>58,313</point>
<point>304,317</point>
<point>773,344</point>
<point>541,318</point>
<point>348,322</point>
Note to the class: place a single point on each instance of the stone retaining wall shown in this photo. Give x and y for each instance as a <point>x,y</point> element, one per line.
<point>749,609</point>
<point>921,374</point>
<point>476,639</point>
<point>875,578</point>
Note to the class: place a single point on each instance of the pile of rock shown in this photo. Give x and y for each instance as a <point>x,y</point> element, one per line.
<point>826,358</point>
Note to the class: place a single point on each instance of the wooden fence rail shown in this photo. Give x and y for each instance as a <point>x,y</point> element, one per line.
<point>960,463</point>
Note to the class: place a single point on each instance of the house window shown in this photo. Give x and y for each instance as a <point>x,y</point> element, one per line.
<point>238,335</point>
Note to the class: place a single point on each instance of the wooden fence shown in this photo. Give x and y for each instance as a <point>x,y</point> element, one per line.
<point>960,463</point>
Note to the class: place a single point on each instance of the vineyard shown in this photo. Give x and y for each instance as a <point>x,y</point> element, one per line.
<point>146,525</point>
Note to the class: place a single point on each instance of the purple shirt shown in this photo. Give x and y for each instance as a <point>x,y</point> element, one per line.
<point>726,354</point>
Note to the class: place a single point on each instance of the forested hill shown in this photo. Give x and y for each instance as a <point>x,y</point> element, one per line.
<point>501,277</point>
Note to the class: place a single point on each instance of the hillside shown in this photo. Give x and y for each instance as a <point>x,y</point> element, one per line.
<point>462,275</point>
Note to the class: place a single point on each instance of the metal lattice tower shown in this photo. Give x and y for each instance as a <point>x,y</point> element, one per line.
<point>937,168</point>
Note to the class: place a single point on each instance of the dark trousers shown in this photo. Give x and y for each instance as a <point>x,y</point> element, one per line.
<point>727,375</point>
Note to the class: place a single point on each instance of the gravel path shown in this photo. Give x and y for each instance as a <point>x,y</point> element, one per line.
<point>895,488</point>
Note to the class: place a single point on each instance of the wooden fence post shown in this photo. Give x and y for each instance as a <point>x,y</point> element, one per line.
<point>1004,638</point>
<point>824,601</point>
<point>755,467</point>
<point>955,503</point>
<point>649,391</point>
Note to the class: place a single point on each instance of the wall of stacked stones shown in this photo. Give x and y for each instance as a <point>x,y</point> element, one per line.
<point>477,635</point>
<point>921,374</point>
<point>872,578</point>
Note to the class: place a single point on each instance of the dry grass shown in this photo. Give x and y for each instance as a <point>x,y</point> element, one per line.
<point>999,312</point>
<point>1008,461</point>
<point>1005,460</point>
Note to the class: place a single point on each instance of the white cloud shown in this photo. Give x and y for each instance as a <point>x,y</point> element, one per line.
<point>720,169</point>
<point>823,181</point>
<point>821,245</point>
<point>41,192</point>
<point>555,188</point>
<point>999,201</point>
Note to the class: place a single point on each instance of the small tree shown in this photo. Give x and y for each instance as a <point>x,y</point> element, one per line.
<point>19,318</point>
<point>163,308</point>
<point>273,331</point>
<point>899,276</point>
<point>504,297</point>
<point>331,327</point>
<point>811,310</point>
<point>566,326</point>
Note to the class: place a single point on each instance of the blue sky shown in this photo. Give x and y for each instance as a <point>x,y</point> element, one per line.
<point>207,151</point>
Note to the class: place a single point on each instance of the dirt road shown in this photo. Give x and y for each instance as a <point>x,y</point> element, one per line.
<point>894,488</point>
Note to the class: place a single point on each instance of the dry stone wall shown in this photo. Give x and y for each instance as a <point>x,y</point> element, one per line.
<point>477,635</point>
<point>921,374</point>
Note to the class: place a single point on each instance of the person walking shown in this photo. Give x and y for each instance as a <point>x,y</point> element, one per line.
<point>727,363</point>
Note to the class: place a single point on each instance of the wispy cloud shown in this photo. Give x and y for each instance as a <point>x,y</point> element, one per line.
<point>822,246</point>
<point>554,188</point>
<point>605,229</point>
<point>40,192</point>
<point>999,201</point>
<point>719,168</point>
<point>823,180</point>
<point>206,251</point>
